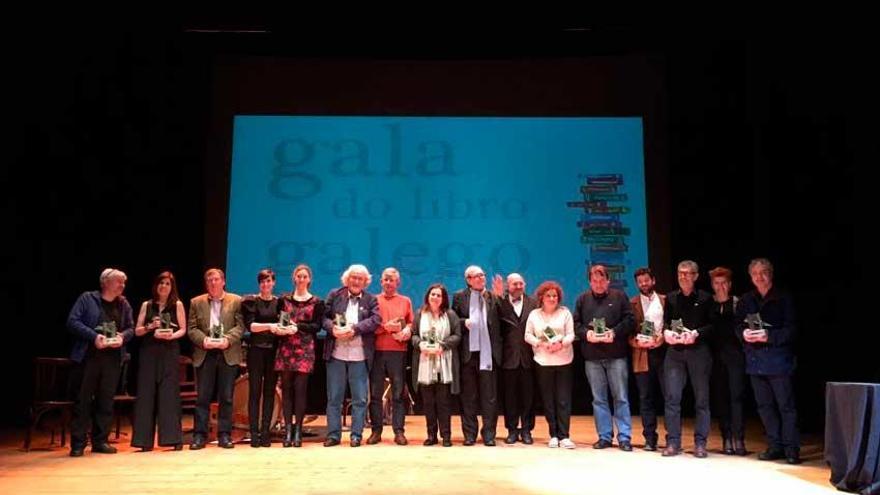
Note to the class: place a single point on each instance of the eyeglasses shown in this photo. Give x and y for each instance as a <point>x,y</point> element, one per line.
<point>477,275</point>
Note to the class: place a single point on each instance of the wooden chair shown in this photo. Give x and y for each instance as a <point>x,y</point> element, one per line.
<point>51,393</point>
<point>122,396</point>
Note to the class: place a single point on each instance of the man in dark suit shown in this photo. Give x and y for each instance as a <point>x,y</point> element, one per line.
<point>480,355</point>
<point>351,318</point>
<point>518,375</point>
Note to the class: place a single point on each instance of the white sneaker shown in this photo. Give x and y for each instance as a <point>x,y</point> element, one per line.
<point>554,442</point>
<point>566,443</point>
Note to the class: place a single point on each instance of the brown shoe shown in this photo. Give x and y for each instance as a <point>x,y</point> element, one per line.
<point>400,439</point>
<point>375,438</point>
<point>671,450</point>
<point>700,452</point>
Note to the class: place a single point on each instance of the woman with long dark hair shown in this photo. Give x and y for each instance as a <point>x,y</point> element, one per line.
<point>160,324</point>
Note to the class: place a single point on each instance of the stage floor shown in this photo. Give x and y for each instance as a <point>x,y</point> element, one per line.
<point>389,468</point>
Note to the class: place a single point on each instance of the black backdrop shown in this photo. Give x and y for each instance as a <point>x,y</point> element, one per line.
<point>758,145</point>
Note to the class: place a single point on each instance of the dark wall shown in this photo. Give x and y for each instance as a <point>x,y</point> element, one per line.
<point>763,143</point>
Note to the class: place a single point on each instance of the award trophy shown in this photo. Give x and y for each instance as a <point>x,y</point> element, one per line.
<point>215,334</point>
<point>432,342</point>
<point>551,336</point>
<point>678,327</point>
<point>646,331</point>
<point>598,325</point>
<point>108,330</point>
<point>285,323</point>
<point>757,326</point>
<point>340,321</point>
<point>165,325</point>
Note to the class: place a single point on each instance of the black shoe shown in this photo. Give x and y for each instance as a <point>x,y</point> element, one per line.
<point>739,448</point>
<point>671,451</point>
<point>104,448</point>
<point>225,442</point>
<point>430,441</point>
<point>700,452</point>
<point>178,446</point>
<point>469,441</point>
<point>489,443</point>
<point>447,442</point>
<point>400,439</point>
<point>771,454</point>
<point>265,440</point>
<point>375,438</point>
<point>297,435</point>
<point>354,442</point>
<point>331,442</point>
<point>288,436</point>
<point>512,437</point>
<point>651,446</point>
<point>727,447</point>
<point>525,437</point>
<point>197,443</point>
<point>793,457</point>
<point>625,446</point>
<point>77,451</point>
<point>255,440</point>
<point>602,444</point>
<point>146,449</point>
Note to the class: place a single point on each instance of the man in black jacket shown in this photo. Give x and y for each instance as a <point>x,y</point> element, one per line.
<point>605,347</point>
<point>518,375</point>
<point>480,355</point>
<point>688,355</point>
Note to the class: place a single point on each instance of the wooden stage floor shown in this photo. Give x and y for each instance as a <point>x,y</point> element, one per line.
<point>389,468</point>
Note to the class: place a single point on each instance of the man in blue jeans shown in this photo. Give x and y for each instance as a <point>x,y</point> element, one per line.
<point>605,351</point>
<point>351,318</point>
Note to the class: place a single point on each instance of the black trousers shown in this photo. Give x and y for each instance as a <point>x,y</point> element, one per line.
<point>479,392</point>
<point>519,391</point>
<point>695,362</point>
<point>774,396</point>
<point>652,387</point>
<point>555,383</point>
<point>214,375</point>
<point>294,394</point>
<point>262,380</point>
<point>97,377</point>
<point>728,389</point>
<point>391,364</point>
<point>437,403</point>
<point>158,399</point>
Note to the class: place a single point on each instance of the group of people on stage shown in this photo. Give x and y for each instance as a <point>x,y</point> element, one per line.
<point>461,346</point>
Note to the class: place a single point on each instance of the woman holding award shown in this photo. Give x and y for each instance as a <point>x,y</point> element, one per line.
<point>550,331</point>
<point>161,323</point>
<point>260,313</point>
<point>303,314</point>
<point>436,335</point>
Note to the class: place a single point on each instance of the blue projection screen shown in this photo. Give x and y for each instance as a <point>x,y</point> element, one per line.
<point>544,197</point>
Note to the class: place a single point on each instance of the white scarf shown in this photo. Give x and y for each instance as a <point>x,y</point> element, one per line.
<point>432,366</point>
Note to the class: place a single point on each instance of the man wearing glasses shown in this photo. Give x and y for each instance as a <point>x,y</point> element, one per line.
<point>480,355</point>
<point>688,355</point>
